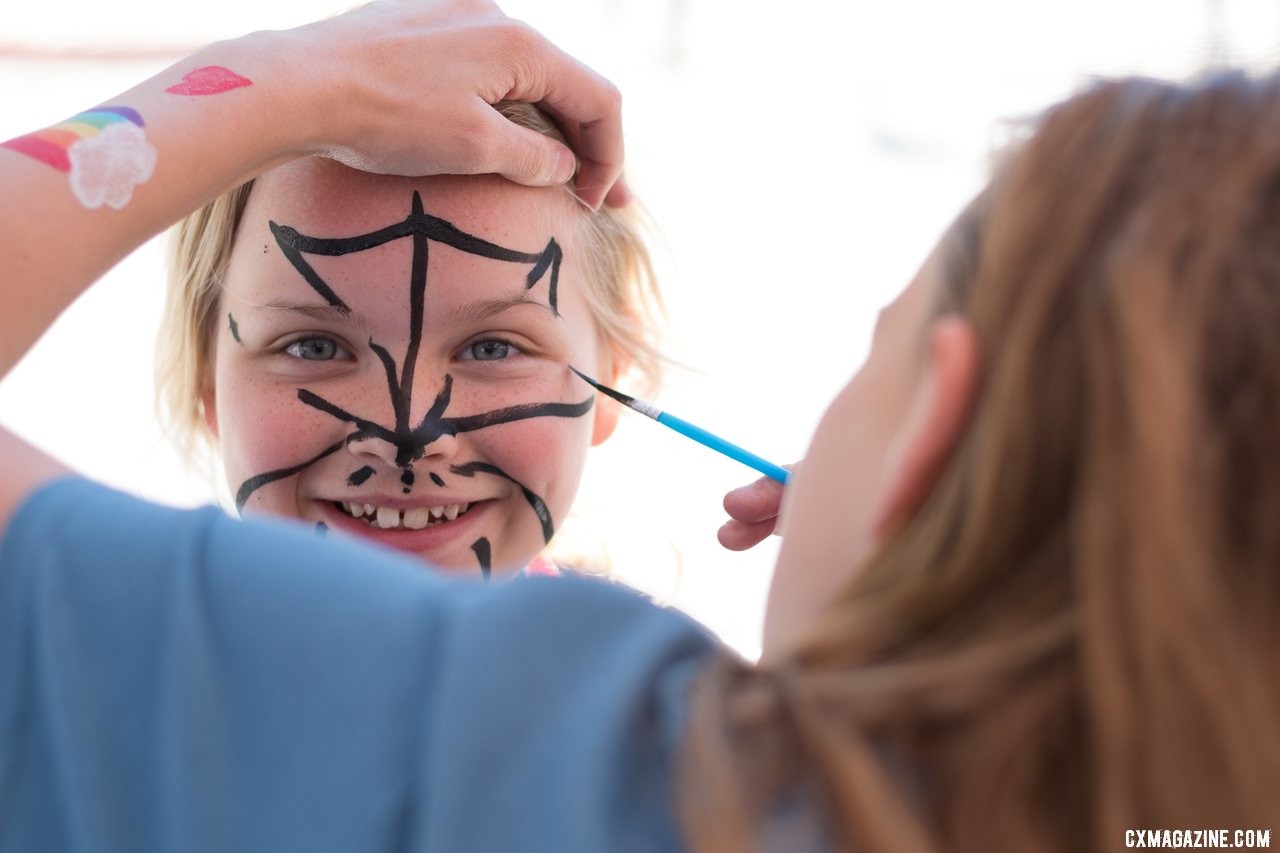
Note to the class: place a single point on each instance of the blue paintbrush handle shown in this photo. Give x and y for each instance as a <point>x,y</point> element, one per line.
<point>733,451</point>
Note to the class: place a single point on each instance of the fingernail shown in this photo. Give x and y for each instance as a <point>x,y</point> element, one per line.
<point>565,166</point>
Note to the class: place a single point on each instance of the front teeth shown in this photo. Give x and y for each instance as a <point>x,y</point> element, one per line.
<point>387,518</point>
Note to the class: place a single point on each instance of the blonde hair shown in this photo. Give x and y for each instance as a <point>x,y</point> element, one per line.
<point>1075,635</point>
<point>619,286</point>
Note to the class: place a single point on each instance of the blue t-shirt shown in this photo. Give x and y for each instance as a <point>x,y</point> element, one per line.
<point>176,680</point>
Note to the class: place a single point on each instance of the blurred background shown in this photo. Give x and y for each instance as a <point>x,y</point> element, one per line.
<point>799,158</point>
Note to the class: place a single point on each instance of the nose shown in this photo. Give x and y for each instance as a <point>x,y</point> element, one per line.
<point>402,452</point>
<point>400,443</point>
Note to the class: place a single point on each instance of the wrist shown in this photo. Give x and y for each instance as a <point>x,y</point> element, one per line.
<point>312,107</point>
<point>273,119</point>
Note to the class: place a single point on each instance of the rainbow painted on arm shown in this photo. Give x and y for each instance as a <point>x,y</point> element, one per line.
<point>104,151</point>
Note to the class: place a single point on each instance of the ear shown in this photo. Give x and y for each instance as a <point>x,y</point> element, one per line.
<point>614,363</point>
<point>937,417</point>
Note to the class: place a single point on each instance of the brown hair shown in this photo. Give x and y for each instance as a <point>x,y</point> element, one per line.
<point>1076,635</point>
<point>619,286</point>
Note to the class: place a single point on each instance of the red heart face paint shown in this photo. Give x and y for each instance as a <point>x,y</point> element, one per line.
<point>209,80</point>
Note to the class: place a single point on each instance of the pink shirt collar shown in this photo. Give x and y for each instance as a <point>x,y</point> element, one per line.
<point>541,566</point>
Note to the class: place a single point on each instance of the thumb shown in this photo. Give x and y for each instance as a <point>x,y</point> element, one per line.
<point>528,157</point>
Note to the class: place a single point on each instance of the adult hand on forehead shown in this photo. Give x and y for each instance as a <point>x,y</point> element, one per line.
<point>413,84</point>
<point>753,513</point>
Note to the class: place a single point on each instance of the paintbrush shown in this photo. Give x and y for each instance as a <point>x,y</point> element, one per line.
<point>688,430</point>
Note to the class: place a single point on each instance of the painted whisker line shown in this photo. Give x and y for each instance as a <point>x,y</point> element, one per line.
<point>469,469</point>
<point>434,426</point>
<point>470,423</point>
<point>698,434</point>
<point>252,484</point>
<point>367,429</point>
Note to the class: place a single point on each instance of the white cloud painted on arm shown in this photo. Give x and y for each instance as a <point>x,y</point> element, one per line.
<point>107,166</point>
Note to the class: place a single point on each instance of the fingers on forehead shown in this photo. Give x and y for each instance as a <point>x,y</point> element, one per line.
<point>588,110</point>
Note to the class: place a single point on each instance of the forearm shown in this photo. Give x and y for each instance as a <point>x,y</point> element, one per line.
<point>60,224</point>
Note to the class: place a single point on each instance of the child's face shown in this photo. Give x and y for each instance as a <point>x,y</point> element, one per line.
<point>369,354</point>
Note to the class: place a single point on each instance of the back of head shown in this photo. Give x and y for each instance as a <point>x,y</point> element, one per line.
<point>1075,635</point>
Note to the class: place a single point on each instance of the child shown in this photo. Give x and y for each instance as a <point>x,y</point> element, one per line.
<point>386,357</point>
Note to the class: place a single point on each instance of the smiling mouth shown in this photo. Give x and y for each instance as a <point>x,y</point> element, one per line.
<point>389,518</point>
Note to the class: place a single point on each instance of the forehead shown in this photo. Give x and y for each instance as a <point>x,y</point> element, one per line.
<point>326,201</point>
<point>319,197</point>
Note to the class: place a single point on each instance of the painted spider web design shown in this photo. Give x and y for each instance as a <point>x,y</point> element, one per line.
<point>411,440</point>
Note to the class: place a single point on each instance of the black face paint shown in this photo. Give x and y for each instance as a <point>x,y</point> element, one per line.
<point>481,548</point>
<point>252,484</point>
<point>411,441</point>
<point>358,477</point>
<point>435,478</point>
<point>235,329</point>
<point>411,444</point>
<point>470,469</point>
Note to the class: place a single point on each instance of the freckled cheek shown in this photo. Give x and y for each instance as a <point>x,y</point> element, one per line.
<point>265,427</point>
<point>545,454</point>
<point>547,384</point>
<point>860,409</point>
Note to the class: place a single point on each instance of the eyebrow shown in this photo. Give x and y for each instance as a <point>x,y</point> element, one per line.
<point>316,312</point>
<point>483,309</point>
<point>470,312</point>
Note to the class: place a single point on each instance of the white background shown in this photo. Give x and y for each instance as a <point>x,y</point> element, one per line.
<point>800,159</point>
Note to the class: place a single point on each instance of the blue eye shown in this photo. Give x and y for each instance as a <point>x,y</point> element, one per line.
<point>316,349</point>
<point>487,350</point>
